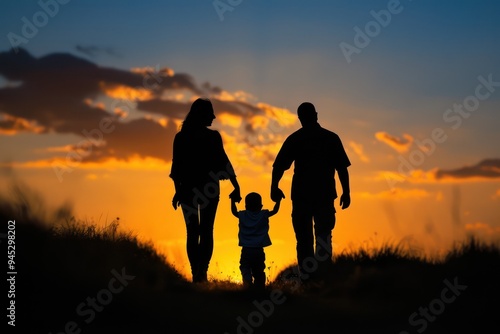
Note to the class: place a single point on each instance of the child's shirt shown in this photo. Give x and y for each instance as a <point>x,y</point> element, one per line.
<point>254,228</point>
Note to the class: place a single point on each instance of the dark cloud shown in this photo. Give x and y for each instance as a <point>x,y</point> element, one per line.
<point>54,93</point>
<point>238,108</point>
<point>139,137</point>
<point>10,126</point>
<point>488,168</point>
<point>94,51</point>
<point>169,108</point>
<point>212,89</point>
<point>178,109</point>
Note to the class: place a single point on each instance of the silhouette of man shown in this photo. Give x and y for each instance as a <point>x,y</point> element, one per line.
<point>317,154</point>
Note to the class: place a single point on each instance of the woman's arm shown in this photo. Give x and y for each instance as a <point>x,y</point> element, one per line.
<point>176,200</point>
<point>235,194</point>
<point>175,172</point>
<point>225,168</point>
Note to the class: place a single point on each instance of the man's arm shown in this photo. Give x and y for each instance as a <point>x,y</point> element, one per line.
<point>234,210</point>
<point>283,161</point>
<point>276,193</point>
<point>345,199</point>
<point>275,209</point>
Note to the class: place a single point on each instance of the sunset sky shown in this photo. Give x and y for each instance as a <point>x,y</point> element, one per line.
<point>92,94</point>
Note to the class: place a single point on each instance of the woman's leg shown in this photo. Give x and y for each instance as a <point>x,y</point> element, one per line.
<point>193,236</point>
<point>206,247</point>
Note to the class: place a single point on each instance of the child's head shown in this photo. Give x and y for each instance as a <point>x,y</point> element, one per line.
<point>253,202</point>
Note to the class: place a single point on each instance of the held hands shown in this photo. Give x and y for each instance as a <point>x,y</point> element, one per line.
<point>276,194</point>
<point>345,200</point>
<point>235,195</point>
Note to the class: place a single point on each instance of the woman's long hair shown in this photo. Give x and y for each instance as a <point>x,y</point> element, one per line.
<point>200,111</point>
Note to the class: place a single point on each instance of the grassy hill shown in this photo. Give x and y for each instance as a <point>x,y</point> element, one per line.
<point>78,278</point>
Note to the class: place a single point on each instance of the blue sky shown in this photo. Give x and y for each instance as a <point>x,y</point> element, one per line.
<point>446,36</point>
<point>284,52</point>
<point>392,95</point>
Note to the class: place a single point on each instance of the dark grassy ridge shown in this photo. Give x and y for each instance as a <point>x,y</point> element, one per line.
<point>60,264</point>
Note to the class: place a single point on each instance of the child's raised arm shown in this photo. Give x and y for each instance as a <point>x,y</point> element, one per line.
<point>234,210</point>
<point>276,208</point>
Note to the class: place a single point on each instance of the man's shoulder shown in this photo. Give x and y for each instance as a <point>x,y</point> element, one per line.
<point>316,129</point>
<point>328,132</point>
<point>296,135</point>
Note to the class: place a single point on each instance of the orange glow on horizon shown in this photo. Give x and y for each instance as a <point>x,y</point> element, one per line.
<point>141,196</point>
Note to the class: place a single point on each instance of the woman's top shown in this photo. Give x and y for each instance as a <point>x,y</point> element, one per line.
<point>199,159</point>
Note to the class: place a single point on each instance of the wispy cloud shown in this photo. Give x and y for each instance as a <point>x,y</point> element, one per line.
<point>10,125</point>
<point>487,169</point>
<point>401,145</point>
<point>359,151</point>
<point>133,163</point>
<point>396,194</point>
<point>496,195</point>
<point>483,230</point>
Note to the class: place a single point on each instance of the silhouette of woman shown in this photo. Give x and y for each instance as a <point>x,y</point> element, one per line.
<point>199,162</point>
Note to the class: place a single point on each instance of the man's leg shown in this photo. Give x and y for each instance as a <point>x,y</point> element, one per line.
<point>303,228</point>
<point>324,222</point>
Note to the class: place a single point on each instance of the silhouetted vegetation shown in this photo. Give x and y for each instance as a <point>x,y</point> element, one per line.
<point>64,266</point>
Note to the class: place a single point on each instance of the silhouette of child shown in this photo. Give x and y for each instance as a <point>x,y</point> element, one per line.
<point>253,237</point>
